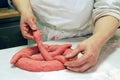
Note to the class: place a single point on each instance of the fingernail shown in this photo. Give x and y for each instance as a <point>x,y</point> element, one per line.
<point>79,55</point>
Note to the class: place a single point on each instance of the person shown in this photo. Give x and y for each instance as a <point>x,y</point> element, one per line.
<point>60,19</point>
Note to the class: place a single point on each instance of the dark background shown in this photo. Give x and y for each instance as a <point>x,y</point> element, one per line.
<point>3,3</point>
<point>10,34</point>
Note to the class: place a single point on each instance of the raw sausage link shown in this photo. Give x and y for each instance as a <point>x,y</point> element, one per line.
<point>38,66</point>
<point>37,36</point>
<point>26,52</point>
<point>42,57</point>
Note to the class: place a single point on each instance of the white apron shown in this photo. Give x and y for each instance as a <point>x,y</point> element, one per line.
<point>63,18</point>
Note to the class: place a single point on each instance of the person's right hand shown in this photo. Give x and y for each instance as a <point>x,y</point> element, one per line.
<point>27,25</point>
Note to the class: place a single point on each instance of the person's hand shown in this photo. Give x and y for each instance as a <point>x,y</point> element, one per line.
<point>90,51</point>
<point>27,25</point>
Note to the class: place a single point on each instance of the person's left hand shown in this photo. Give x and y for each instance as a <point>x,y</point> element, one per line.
<point>90,50</point>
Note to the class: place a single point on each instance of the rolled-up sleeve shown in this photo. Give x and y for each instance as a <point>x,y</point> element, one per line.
<point>106,7</point>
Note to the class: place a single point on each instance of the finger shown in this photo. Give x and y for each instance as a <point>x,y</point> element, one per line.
<point>82,68</point>
<point>85,67</point>
<point>74,63</point>
<point>26,31</point>
<point>23,27</point>
<point>28,36</point>
<point>77,62</point>
<point>32,24</point>
<point>73,53</point>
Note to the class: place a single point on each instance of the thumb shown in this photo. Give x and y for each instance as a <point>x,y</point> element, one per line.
<point>32,24</point>
<point>74,53</point>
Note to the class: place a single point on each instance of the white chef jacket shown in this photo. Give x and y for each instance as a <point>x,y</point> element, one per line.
<point>71,18</point>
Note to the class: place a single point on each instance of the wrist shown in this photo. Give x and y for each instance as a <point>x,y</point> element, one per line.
<point>105,28</point>
<point>98,40</point>
<point>26,12</point>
